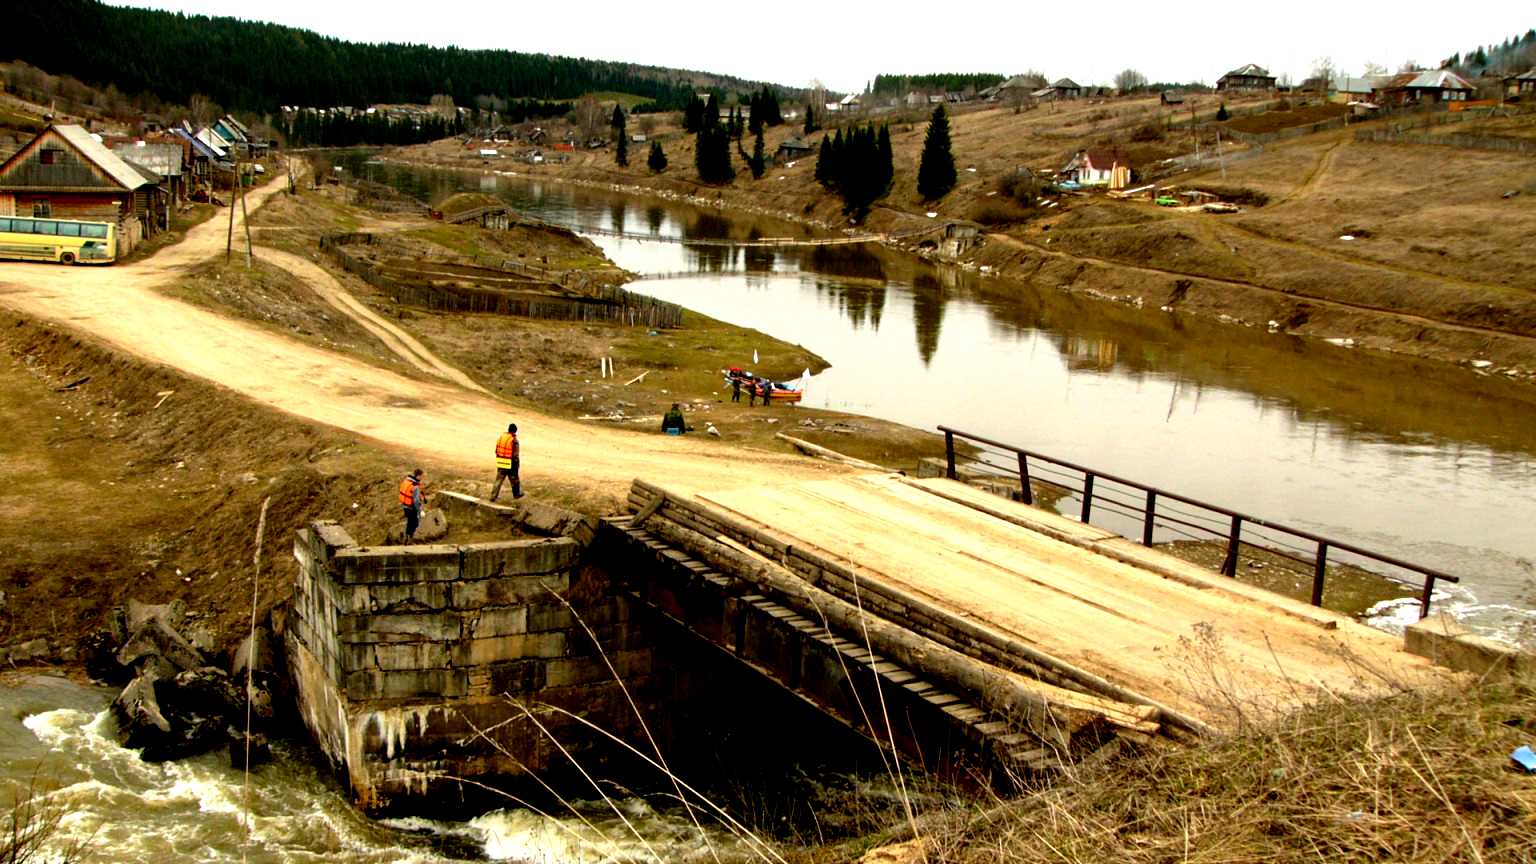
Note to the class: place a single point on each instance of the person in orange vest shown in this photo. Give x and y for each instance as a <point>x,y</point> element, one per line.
<point>508,462</point>
<point>412,501</point>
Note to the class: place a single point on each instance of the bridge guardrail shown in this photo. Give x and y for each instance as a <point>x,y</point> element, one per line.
<point>1216,520</point>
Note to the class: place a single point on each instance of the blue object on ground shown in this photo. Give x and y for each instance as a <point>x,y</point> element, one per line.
<point>674,431</point>
<point>1524,759</point>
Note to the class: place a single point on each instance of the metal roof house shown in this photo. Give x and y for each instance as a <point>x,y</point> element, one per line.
<point>66,173</point>
<point>1428,87</point>
<point>1522,86</point>
<point>1247,77</point>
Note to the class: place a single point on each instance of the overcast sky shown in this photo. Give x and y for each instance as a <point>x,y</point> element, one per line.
<point>845,44</point>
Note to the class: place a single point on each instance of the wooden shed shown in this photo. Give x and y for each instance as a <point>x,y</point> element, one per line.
<point>65,173</point>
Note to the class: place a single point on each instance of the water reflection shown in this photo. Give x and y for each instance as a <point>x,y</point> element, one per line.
<point>1414,458</point>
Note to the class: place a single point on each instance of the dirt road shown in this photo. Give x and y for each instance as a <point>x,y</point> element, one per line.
<point>445,424</point>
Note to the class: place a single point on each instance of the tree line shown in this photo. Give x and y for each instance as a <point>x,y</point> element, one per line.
<point>900,85</point>
<point>323,129</point>
<point>252,66</point>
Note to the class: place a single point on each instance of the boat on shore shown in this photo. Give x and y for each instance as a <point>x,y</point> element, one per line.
<point>778,391</point>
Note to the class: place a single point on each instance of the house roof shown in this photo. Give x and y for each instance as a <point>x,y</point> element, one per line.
<point>1066,84</point>
<point>215,142</point>
<point>163,159</point>
<point>1103,160</point>
<point>1346,84</point>
<point>1020,82</point>
<point>198,144</point>
<point>1527,75</point>
<point>1250,70</point>
<point>86,144</point>
<point>1442,79</point>
<point>795,143</point>
<point>850,99</point>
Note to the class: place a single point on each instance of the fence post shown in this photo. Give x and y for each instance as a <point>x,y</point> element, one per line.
<point>949,454</point>
<point>1029,494</point>
<point>1429,591</point>
<point>1319,572</point>
<point>1146,526</point>
<point>1229,564</point>
<point>1087,496</point>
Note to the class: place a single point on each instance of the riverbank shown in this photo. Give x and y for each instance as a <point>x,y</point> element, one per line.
<point>1279,266</point>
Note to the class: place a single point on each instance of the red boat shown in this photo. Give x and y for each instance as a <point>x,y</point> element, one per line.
<point>777,391</point>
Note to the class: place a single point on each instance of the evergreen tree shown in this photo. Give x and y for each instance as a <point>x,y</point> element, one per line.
<point>885,159</point>
<point>936,172</point>
<point>712,154</point>
<point>824,163</point>
<point>693,115</point>
<point>755,115</point>
<point>810,120</point>
<point>620,124</point>
<point>759,162</point>
<point>1222,114</point>
<point>657,161</point>
<point>712,112</point>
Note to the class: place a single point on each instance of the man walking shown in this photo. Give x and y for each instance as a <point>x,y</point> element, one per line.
<point>412,502</point>
<point>508,461</point>
<point>735,388</point>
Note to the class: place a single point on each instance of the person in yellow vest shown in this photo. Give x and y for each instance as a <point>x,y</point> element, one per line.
<point>507,462</point>
<point>412,501</point>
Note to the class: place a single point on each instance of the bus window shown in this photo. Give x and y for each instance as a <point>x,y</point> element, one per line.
<point>69,229</point>
<point>42,227</point>
<point>5,224</point>
<point>21,226</point>
<point>97,231</point>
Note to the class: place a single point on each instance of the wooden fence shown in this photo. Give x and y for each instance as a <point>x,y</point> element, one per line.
<point>1462,142</point>
<point>598,303</point>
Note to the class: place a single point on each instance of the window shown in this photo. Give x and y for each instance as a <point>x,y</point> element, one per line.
<point>45,227</point>
<point>50,156</point>
<point>41,208</point>
<point>97,231</point>
<point>69,229</point>
<point>5,225</point>
<point>21,226</point>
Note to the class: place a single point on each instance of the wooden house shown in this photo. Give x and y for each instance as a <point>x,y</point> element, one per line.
<point>1249,77</point>
<point>1522,86</point>
<point>1065,88</point>
<point>1421,88</point>
<point>791,149</point>
<point>1098,168</point>
<point>164,159</point>
<point>65,173</point>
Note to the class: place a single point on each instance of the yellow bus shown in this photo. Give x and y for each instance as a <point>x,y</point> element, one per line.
<point>63,240</point>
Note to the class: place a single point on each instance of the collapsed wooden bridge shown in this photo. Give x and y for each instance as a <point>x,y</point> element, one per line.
<point>981,636</point>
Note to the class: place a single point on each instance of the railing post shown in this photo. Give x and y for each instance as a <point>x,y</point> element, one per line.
<point>1087,496</point>
<point>1229,564</point>
<point>1319,573</point>
<point>1429,591</point>
<point>1029,494</point>
<point>1146,526</point>
<point>949,454</point>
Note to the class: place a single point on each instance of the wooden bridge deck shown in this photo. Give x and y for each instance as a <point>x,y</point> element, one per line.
<point>1203,644</point>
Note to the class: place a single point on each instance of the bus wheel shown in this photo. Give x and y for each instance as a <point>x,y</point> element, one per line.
<point>67,258</point>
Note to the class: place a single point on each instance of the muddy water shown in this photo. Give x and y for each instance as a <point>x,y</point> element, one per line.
<point>1426,462</point>
<point>129,811</point>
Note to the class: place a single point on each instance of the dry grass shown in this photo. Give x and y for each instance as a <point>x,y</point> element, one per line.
<point>1415,777</point>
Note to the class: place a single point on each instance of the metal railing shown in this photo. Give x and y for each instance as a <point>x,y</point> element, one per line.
<point>1206,518</point>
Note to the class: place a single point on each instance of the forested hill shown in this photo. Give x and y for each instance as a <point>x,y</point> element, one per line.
<point>256,67</point>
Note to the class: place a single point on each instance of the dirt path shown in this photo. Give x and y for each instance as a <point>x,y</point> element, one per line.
<point>1314,177</point>
<point>444,424</point>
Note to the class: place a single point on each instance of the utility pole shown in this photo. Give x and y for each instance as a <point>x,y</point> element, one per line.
<point>229,239</point>
<point>245,217</point>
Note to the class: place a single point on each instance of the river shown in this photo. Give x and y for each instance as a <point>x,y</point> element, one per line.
<point>58,736</point>
<point>1419,460</point>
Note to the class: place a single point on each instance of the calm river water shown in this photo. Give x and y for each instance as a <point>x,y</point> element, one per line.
<point>1426,462</point>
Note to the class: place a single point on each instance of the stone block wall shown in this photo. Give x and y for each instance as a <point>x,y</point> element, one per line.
<point>415,665</point>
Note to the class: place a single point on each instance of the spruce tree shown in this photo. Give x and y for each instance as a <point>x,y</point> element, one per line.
<point>885,159</point>
<point>759,163</point>
<point>936,172</point>
<point>620,124</point>
<point>657,161</point>
<point>824,163</point>
<point>712,111</point>
<point>810,120</point>
<point>755,114</point>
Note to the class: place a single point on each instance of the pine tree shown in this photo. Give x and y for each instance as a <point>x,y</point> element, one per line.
<point>657,161</point>
<point>755,114</point>
<point>712,155</point>
<point>936,172</point>
<point>711,112</point>
<point>759,163</point>
<point>824,163</point>
<point>1222,113</point>
<point>885,160</point>
<point>810,120</point>
<point>693,116</point>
